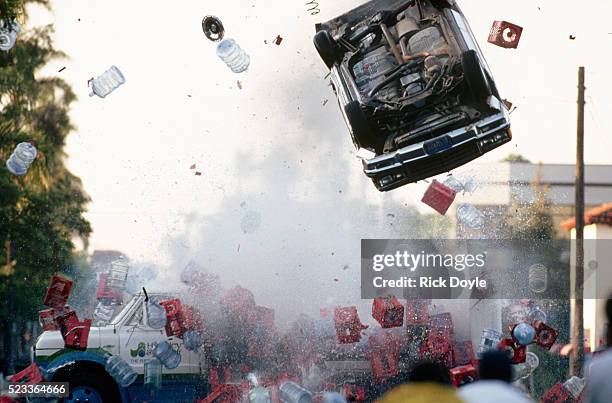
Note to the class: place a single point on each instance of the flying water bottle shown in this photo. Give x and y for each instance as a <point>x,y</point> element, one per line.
<point>152,373</point>
<point>259,395</point>
<point>21,159</point>
<point>118,274</point>
<point>470,216</point>
<point>107,82</point>
<point>333,397</point>
<point>191,340</point>
<point>232,54</point>
<point>156,315</point>
<point>8,34</point>
<point>291,392</point>
<point>121,371</point>
<point>103,314</point>
<point>167,355</point>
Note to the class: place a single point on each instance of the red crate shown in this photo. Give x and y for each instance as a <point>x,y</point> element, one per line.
<point>29,376</point>
<point>348,326</point>
<point>58,292</point>
<point>443,322</point>
<point>462,375</point>
<point>439,196</point>
<point>545,335</point>
<point>557,394</point>
<point>77,335</point>
<point>516,352</point>
<point>463,353</point>
<point>354,393</point>
<point>383,353</point>
<point>106,293</point>
<point>438,347</point>
<point>505,34</point>
<point>388,311</point>
<point>48,317</point>
<point>417,312</point>
<point>239,301</point>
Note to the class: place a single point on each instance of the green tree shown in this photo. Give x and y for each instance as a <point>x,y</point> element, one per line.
<point>41,213</point>
<point>515,158</point>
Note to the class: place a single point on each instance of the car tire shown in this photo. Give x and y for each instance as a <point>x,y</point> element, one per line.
<point>327,47</point>
<point>363,135</point>
<point>87,385</point>
<point>475,77</point>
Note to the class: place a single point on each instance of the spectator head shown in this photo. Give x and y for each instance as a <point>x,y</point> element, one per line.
<point>495,365</point>
<point>609,316</point>
<point>429,371</point>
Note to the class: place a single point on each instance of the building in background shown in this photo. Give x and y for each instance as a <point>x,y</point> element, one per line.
<point>597,270</point>
<point>502,182</point>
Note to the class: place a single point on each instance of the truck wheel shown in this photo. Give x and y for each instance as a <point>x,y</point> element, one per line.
<point>327,48</point>
<point>475,77</point>
<point>92,386</point>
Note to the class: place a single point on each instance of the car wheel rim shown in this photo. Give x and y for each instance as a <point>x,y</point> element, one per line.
<point>84,394</point>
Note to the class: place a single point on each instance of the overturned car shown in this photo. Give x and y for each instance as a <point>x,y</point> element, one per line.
<point>413,87</point>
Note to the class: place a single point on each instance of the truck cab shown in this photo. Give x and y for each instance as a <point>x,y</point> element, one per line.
<point>130,337</point>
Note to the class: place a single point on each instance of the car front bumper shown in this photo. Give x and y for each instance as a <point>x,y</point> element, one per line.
<point>412,163</point>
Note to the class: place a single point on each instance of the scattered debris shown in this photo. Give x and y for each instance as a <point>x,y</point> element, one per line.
<point>439,197</point>
<point>313,7</point>
<point>507,104</point>
<point>213,28</point>
<point>239,84</point>
<point>505,34</point>
<point>572,37</point>
<point>278,40</point>
<point>250,222</point>
<point>106,83</point>
<point>198,173</point>
<point>193,166</point>
<point>325,102</point>
<point>470,216</point>
<point>20,160</point>
<point>62,69</point>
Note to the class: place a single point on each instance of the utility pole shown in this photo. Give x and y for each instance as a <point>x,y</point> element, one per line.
<point>578,320</point>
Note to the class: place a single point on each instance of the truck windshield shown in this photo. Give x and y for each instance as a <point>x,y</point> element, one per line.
<point>128,308</point>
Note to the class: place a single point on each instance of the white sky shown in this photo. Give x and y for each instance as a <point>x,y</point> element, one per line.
<point>273,145</point>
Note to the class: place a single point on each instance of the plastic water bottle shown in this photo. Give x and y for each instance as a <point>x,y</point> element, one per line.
<point>191,340</point>
<point>118,274</point>
<point>532,360</point>
<point>231,53</point>
<point>21,159</point>
<point>453,183</point>
<point>520,371</point>
<point>333,397</point>
<point>538,278</point>
<point>291,392</point>
<point>523,333</point>
<point>489,340</point>
<point>167,355</point>
<point>152,373</point>
<point>107,82</point>
<point>536,314</point>
<point>120,370</point>
<point>156,315</point>
<point>103,314</point>
<point>8,34</point>
<point>574,386</point>
<point>259,395</point>
<point>470,216</point>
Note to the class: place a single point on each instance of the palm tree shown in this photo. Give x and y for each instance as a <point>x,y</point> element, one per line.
<point>42,212</point>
